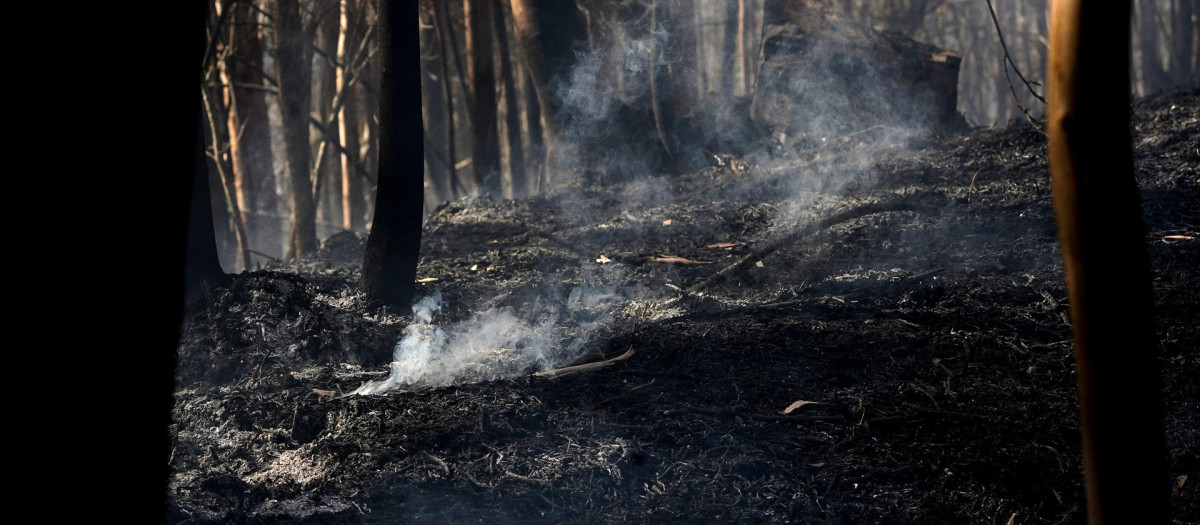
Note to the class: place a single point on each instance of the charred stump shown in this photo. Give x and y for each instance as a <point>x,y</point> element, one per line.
<point>820,71</point>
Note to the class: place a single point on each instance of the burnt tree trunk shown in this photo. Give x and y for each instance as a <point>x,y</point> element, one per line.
<point>730,56</point>
<point>481,70</point>
<point>393,246</point>
<point>547,30</point>
<point>661,84</point>
<point>249,126</point>
<point>823,72</point>
<point>203,266</point>
<point>682,60</point>
<point>1184,52</point>
<point>1106,264</point>
<point>437,168</point>
<point>178,150</point>
<point>294,72</point>
<point>533,122</point>
<point>512,116</point>
<point>1151,70</point>
<point>442,27</point>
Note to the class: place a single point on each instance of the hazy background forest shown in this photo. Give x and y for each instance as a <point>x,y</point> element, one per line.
<point>291,92</point>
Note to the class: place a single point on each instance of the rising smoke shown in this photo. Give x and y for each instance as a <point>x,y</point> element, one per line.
<point>611,134</point>
<point>498,341</point>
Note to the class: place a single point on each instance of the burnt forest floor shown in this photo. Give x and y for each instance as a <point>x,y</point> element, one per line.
<point>928,330</point>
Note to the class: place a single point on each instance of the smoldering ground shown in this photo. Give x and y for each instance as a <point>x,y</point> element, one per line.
<point>904,365</point>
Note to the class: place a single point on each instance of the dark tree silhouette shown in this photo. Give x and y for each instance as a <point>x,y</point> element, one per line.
<point>390,263</point>
<point>485,143</point>
<point>294,73</point>
<point>1105,260</point>
<point>177,160</point>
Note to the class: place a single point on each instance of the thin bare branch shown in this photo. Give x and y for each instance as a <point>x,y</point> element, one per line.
<point>1008,61</point>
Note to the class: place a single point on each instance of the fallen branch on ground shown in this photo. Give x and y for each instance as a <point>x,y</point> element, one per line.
<point>559,372</point>
<point>791,238</point>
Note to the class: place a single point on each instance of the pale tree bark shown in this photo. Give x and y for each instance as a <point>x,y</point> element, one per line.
<point>481,71</point>
<point>743,73</point>
<point>216,117</point>
<point>352,206</point>
<point>213,96</point>
<point>327,180</point>
<point>512,118</point>
<point>293,64</point>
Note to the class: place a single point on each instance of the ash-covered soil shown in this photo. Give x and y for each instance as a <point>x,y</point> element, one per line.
<point>928,332</point>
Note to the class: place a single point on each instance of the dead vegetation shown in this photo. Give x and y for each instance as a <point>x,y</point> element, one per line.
<point>892,349</point>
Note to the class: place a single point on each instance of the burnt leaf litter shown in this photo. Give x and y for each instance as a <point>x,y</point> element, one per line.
<point>932,345</point>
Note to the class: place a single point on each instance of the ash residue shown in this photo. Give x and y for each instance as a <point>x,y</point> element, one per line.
<point>936,346</point>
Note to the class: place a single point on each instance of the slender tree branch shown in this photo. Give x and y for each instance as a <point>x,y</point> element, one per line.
<point>1008,61</point>
<point>212,38</point>
<point>235,212</point>
<point>341,150</point>
<point>254,5</point>
<point>339,100</point>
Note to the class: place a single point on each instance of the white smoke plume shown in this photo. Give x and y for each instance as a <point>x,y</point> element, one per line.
<point>494,343</point>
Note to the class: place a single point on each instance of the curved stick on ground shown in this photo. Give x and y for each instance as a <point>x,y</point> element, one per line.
<point>811,228</point>
<point>559,372</point>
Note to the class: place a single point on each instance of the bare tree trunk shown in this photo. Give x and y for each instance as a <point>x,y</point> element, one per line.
<point>731,56</point>
<point>213,96</point>
<point>327,180</point>
<point>481,70</point>
<point>547,29</point>
<point>203,263</point>
<point>512,117</point>
<point>444,34</point>
<point>1102,238</point>
<point>369,104</point>
<point>351,181</point>
<point>660,87</point>
<point>249,126</point>
<point>393,247</point>
<point>1183,49</point>
<point>437,168</point>
<point>741,69</point>
<point>216,117</point>
<point>294,73</point>
<point>533,123</point>
<point>1152,69</point>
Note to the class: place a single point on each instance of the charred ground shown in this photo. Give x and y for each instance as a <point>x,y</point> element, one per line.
<point>934,342</point>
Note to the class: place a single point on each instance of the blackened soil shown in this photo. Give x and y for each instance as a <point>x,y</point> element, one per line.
<point>933,343</point>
